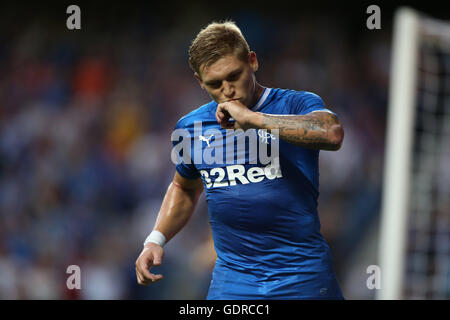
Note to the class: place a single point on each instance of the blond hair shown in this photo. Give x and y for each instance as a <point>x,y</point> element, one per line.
<point>215,41</point>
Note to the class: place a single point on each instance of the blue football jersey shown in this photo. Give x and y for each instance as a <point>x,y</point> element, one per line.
<point>263,216</point>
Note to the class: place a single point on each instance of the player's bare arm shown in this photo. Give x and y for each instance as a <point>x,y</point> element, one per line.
<point>176,209</point>
<point>316,130</point>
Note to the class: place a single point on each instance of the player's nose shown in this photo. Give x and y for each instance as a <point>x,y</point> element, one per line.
<point>228,90</point>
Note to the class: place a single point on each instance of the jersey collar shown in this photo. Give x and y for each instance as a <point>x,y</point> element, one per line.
<point>261,100</point>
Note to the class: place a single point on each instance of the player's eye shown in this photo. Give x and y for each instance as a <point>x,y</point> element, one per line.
<point>214,85</point>
<point>234,76</point>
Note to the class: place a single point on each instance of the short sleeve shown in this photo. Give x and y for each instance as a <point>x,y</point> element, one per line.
<point>304,102</point>
<point>181,152</point>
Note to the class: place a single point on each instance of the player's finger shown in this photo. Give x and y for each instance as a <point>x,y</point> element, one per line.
<point>219,115</point>
<point>139,271</point>
<point>145,273</point>
<point>223,107</point>
<point>156,277</point>
<point>157,260</point>
<point>140,279</point>
<point>222,113</point>
<point>223,118</point>
<point>149,277</point>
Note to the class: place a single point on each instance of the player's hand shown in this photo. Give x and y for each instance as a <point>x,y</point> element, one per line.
<point>150,256</point>
<point>238,111</point>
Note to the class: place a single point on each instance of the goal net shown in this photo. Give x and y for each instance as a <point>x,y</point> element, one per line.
<point>414,246</point>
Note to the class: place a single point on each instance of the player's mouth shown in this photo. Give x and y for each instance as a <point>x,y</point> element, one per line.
<point>241,100</point>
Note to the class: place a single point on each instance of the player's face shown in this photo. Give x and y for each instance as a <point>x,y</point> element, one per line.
<point>230,78</point>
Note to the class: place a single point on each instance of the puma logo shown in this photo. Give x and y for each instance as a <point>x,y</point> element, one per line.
<point>202,138</point>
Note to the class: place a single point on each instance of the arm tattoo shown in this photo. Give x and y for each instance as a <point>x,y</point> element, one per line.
<point>314,131</point>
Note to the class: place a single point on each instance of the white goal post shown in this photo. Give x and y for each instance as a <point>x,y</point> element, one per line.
<point>411,29</point>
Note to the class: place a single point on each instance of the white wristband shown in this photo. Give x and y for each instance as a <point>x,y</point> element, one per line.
<point>156,237</point>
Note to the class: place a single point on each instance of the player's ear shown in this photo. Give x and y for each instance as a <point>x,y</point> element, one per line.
<point>197,76</point>
<point>253,61</point>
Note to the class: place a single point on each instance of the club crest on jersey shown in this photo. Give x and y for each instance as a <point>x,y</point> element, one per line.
<point>264,136</point>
